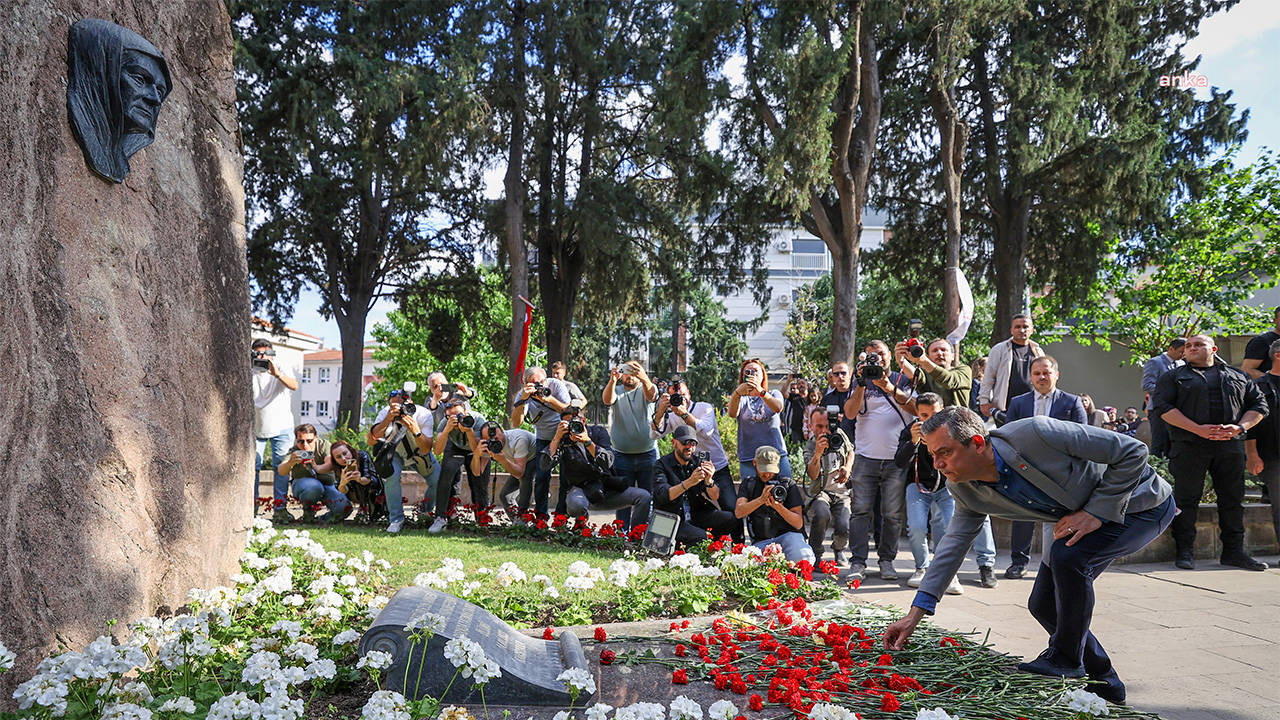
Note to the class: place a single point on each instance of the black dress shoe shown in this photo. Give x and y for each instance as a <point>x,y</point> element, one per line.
<point>987,576</point>
<point>1015,572</point>
<point>1045,666</point>
<point>1244,561</point>
<point>1111,691</point>
<point>1185,562</point>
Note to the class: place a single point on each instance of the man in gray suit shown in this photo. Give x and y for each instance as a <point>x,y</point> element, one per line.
<point>1093,484</point>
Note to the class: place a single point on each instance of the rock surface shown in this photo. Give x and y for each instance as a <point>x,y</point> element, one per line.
<point>124,330</point>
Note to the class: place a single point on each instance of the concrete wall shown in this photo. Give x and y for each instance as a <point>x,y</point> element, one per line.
<point>1104,375</point>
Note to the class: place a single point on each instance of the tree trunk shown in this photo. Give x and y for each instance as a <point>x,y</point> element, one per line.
<point>513,183</point>
<point>844,292</point>
<point>560,298</point>
<point>1011,269</point>
<point>953,136</point>
<point>351,333</point>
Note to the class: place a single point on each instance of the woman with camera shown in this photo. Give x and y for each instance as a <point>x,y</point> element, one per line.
<point>357,479</point>
<point>756,408</point>
<point>771,503</point>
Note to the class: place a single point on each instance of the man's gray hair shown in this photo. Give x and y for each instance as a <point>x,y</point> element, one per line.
<point>532,372</point>
<point>962,424</point>
<point>931,399</point>
<point>1275,348</point>
<point>437,372</point>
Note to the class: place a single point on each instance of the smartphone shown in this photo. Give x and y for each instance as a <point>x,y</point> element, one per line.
<point>448,388</point>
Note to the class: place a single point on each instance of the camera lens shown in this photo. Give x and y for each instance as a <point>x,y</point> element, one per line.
<point>917,351</point>
<point>677,400</point>
<point>576,427</point>
<point>467,421</point>
<point>778,492</point>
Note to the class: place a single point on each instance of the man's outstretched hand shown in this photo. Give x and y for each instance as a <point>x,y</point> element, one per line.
<point>897,634</point>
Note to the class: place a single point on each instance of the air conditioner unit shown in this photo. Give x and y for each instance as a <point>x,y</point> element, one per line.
<point>784,301</point>
<point>782,246</point>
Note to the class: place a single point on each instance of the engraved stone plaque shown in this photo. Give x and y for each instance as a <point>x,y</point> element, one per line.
<point>529,665</point>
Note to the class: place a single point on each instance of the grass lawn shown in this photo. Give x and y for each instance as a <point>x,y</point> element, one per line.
<point>414,551</point>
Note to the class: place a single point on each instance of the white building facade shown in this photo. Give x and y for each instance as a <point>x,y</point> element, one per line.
<point>319,383</point>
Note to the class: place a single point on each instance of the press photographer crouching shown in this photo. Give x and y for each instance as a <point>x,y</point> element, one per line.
<point>358,480</point>
<point>828,460</point>
<point>587,480</point>
<point>398,442</point>
<point>684,483</point>
<point>676,409</point>
<point>512,450</point>
<point>455,443</point>
<point>313,482</point>
<point>772,505</point>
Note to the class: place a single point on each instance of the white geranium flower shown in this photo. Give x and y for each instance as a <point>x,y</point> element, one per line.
<point>682,708</point>
<point>706,571</point>
<point>654,564</point>
<point>600,711</point>
<point>293,600</point>
<point>470,587</point>
<point>346,637</point>
<point>508,574</point>
<point>125,711</point>
<point>641,711</point>
<point>722,710</point>
<point>288,627</point>
<point>551,592</point>
<point>580,568</point>
<point>578,679</point>
<point>486,672</point>
<point>385,705</point>
<point>6,658</point>
<point>540,578</point>
<point>466,655</point>
<point>322,669</point>
<point>243,579</point>
<point>562,715</point>
<point>579,583</point>
<point>1081,700</point>
<point>326,612</point>
<point>236,706</point>
<point>687,561</point>
<point>827,711</point>
<point>279,706</point>
<point>348,580</point>
<point>303,651</point>
<point>935,714</point>
<point>376,660</point>
<point>181,704</point>
<point>426,622</point>
<point>260,667</point>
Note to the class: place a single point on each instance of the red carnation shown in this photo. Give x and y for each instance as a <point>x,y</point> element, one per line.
<point>885,659</point>
<point>756,702</point>
<point>889,702</point>
<point>607,656</point>
<point>684,625</point>
<point>792,581</point>
<point>855,584</point>
<point>681,650</point>
<point>548,633</point>
<point>601,635</point>
<point>680,677</point>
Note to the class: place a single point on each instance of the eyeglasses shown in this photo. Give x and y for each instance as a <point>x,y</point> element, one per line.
<point>839,373</point>
<point>306,440</point>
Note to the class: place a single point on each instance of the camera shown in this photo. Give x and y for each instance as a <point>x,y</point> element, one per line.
<point>677,400</point>
<point>577,427</point>
<point>256,358</point>
<point>701,456</point>
<point>870,368</point>
<point>750,373</point>
<point>540,390</point>
<point>778,489</point>
<point>489,431</point>
<point>305,455</point>
<point>494,446</point>
<point>914,346</point>
<point>835,441</point>
<point>467,420</point>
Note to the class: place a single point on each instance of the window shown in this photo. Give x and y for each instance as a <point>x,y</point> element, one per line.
<point>306,375</point>
<point>322,408</point>
<point>324,375</point>
<point>306,408</point>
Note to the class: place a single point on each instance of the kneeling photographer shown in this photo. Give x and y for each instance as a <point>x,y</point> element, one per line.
<point>676,409</point>
<point>587,480</point>
<point>397,441</point>
<point>828,460</point>
<point>455,443</point>
<point>684,483</point>
<point>308,467</point>
<point>772,506</point>
<point>358,480</point>
<point>512,450</point>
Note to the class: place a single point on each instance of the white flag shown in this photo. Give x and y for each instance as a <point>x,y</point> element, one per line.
<point>966,308</point>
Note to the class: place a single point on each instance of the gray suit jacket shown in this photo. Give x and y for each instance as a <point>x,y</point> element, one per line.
<point>1080,466</point>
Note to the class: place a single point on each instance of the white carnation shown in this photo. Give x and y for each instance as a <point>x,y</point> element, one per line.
<point>722,710</point>
<point>827,711</point>
<point>682,708</point>
<point>1081,700</point>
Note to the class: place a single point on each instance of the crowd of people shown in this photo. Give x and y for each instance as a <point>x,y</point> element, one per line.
<point>866,470</point>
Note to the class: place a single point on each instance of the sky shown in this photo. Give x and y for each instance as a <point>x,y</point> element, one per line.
<point>1239,51</point>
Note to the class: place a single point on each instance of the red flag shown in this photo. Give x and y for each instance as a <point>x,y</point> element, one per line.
<point>524,342</point>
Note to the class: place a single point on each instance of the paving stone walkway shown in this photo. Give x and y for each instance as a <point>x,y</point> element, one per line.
<point>1190,645</point>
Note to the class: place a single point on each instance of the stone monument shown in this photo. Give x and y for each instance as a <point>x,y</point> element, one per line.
<point>529,665</point>
<point>124,327</point>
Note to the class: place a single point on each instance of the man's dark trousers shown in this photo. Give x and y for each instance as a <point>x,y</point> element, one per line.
<point>1224,460</point>
<point>1062,598</point>
<point>1159,435</point>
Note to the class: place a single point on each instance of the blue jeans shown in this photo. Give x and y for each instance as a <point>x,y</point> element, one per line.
<point>637,470</point>
<point>794,546</point>
<point>870,475</point>
<point>933,511</point>
<point>747,469</point>
<point>281,445</point>
<point>395,495</point>
<point>309,490</point>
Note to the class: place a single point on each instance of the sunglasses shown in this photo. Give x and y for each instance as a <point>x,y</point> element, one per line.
<point>687,443</point>
<point>839,373</point>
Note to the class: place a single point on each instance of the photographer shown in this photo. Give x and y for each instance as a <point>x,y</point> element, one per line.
<point>929,502</point>
<point>841,379</point>
<point>444,392</point>
<point>829,464</point>
<point>630,411</point>
<point>313,482</point>
<point>937,371</point>
<point>397,438</point>
<point>883,405</point>
<point>684,483</point>
<point>587,480</point>
<point>512,450</point>
<point>676,409</point>
<point>358,480</point>
<point>756,409</point>
<point>795,393</point>
<point>455,443</point>
<point>772,505</point>
<point>559,371</point>
<point>272,422</point>
<point>542,400</point>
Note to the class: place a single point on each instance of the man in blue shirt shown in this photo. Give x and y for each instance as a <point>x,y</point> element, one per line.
<point>1152,369</point>
<point>1095,486</point>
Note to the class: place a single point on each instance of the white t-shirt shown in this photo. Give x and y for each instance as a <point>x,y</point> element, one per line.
<point>272,404</point>
<point>879,425</point>
<point>422,417</point>
<point>708,433</point>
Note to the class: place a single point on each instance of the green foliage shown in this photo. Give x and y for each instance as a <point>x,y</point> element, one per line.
<point>458,331</point>
<point>1216,253</point>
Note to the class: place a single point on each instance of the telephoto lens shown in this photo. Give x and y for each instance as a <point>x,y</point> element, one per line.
<point>467,421</point>
<point>677,400</point>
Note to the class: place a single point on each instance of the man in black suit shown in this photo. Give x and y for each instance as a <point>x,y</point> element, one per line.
<point>1044,399</point>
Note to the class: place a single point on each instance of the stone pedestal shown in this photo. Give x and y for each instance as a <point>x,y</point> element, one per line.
<point>124,390</point>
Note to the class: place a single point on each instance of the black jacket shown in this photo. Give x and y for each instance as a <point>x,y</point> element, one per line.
<point>1185,389</point>
<point>668,472</point>
<point>579,469</point>
<point>917,460</point>
<point>1267,432</point>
